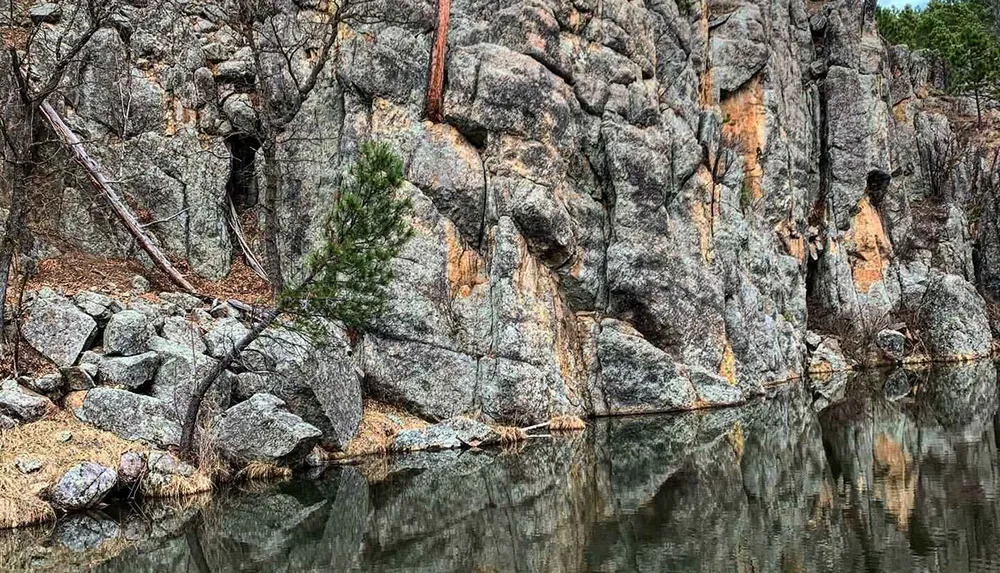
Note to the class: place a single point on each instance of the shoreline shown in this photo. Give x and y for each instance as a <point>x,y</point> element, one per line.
<point>169,478</point>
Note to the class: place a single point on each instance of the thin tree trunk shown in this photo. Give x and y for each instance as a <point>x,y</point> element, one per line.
<point>979,110</point>
<point>271,225</point>
<point>121,210</point>
<point>194,405</point>
<point>435,85</point>
<point>13,230</point>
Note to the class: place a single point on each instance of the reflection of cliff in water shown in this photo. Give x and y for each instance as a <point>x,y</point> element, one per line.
<point>886,479</point>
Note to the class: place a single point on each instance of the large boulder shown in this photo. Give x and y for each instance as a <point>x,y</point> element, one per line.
<point>638,377</point>
<point>83,486</point>
<point>434,382</point>
<point>20,404</point>
<point>58,329</point>
<point>953,319</point>
<point>130,416</point>
<point>128,333</point>
<point>318,381</point>
<point>130,372</point>
<point>260,429</point>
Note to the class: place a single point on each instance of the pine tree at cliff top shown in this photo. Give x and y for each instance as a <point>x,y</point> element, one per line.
<point>963,32</point>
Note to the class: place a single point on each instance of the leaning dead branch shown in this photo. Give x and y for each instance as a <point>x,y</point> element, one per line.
<point>121,210</point>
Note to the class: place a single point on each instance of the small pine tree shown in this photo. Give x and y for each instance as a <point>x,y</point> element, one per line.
<point>347,274</point>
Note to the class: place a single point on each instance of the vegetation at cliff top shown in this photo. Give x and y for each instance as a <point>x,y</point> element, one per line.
<point>965,33</point>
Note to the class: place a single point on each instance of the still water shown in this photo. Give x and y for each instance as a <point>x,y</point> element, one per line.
<point>883,475</point>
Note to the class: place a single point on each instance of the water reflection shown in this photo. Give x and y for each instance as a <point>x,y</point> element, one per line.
<point>897,473</point>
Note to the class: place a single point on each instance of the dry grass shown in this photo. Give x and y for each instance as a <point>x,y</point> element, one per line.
<point>567,424</point>
<point>255,471</point>
<point>380,425</point>
<point>178,486</point>
<point>19,501</point>
<point>508,435</point>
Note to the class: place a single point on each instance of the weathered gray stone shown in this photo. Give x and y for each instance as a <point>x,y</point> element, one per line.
<point>128,333</point>
<point>953,319</point>
<point>318,381</point>
<point>181,369</point>
<point>178,329</point>
<point>637,377</point>
<point>82,486</point>
<point>131,372</point>
<point>223,336</point>
<point>48,384</point>
<point>27,465</point>
<point>59,330</point>
<point>22,405</point>
<point>131,467</point>
<point>185,301</point>
<point>892,343</point>
<point>130,416</point>
<point>140,284</point>
<point>79,377</point>
<point>260,429</point>
<point>450,434</point>
<point>97,305</point>
<point>434,382</point>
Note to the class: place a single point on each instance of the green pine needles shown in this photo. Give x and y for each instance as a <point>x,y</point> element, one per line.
<point>964,33</point>
<point>347,275</point>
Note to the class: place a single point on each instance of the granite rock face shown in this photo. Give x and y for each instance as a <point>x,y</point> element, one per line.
<point>681,189</point>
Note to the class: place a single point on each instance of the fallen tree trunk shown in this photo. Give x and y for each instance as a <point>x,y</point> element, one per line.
<point>121,210</point>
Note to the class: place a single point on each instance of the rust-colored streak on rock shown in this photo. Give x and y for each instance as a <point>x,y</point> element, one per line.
<point>868,245</point>
<point>744,129</point>
<point>466,269</point>
<point>435,87</point>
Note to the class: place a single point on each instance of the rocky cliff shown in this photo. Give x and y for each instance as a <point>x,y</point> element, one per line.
<point>630,205</point>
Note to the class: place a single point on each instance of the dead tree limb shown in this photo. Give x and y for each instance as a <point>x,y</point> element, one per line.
<point>435,85</point>
<point>251,258</point>
<point>121,210</point>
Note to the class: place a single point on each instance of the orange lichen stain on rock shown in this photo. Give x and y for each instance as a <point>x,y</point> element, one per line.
<point>389,118</point>
<point>727,369</point>
<point>869,247</point>
<point>736,439</point>
<point>176,115</point>
<point>466,269</point>
<point>744,127</point>
<point>794,242</point>
<point>703,216</point>
<point>895,479</point>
